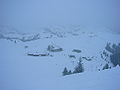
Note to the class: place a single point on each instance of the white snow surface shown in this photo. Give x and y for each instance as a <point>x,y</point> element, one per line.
<point>22,72</point>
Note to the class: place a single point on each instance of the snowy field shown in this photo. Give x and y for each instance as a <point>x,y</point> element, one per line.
<point>20,71</point>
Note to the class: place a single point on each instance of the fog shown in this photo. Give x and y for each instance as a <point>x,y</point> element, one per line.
<point>33,14</point>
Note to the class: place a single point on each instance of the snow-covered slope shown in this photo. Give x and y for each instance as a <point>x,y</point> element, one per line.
<point>37,64</point>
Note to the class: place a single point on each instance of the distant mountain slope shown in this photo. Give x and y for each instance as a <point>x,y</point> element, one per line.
<point>90,42</point>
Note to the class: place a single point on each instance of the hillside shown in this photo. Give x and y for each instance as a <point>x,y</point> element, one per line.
<point>35,61</point>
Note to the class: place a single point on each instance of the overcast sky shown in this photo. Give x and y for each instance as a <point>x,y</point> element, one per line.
<point>32,14</point>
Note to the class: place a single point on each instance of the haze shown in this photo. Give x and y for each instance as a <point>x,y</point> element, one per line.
<point>33,14</point>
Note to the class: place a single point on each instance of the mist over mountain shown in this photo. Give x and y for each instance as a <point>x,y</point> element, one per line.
<point>27,15</point>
